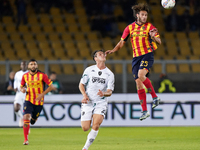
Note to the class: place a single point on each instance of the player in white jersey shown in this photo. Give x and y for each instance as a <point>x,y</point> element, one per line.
<point>96,84</point>
<point>19,97</point>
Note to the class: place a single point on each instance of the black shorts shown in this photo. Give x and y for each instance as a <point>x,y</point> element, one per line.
<point>32,109</point>
<point>142,62</point>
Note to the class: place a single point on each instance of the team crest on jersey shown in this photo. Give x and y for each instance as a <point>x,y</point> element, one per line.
<point>93,70</point>
<point>36,78</point>
<point>99,73</point>
<point>143,28</point>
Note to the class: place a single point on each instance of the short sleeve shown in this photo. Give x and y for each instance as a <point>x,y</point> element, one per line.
<point>151,28</point>
<point>85,77</point>
<point>111,82</point>
<point>125,34</point>
<point>23,81</point>
<point>47,80</point>
<point>15,81</point>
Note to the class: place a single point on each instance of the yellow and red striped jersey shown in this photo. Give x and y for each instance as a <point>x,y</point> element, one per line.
<point>35,85</point>
<point>141,41</point>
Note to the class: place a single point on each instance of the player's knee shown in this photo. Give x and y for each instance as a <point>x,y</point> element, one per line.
<point>16,109</point>
<point>95,127</point>
<point>85,128</point>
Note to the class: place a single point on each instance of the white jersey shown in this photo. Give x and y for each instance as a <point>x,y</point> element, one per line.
<point>95,79</point>
<point>18,79</point>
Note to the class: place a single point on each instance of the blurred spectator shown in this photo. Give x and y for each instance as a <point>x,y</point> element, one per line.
<point>195,21</point>
<point>186,21</point>
<point>166,85</point>
<point>9,87</point>
<point>5,8</point>
<point>42,6</point>
<point>58,86</point>
<point>21,11</point>
<point>172,22</point>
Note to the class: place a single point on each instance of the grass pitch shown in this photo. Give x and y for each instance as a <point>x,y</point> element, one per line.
<point>116,138</point>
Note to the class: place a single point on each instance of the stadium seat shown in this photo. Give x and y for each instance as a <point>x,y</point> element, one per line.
<point>68,69</point>
<point>23,29</point>
<point>80,11</point>
<point>129,68</point>
<point>180,9</point>
<point>48,28</point>
<point>60,53</point>
<point>3,37</point>
<point>157,68</point>
<point>171,48</point>
<point>180,57</point>
<point>71,50</point>
<point>57,19</point>
<point>31,45</point>
<point>2,69</point>
<point>184,68</point>
<point>184,47</point>
<point>55,68</point>
<point>194,57</point>
<point>73,28</point>
<point>11,28</point>
<point>66,37</point>
<point>53,37</point>
<point>79,68</point>
<point>118,68</point>
<point>107,45</point>
<point>85,53</point>
<point>181,36</point>
<point>118,11</point>
<point>35,28</point>
<point>122,26</point>
<point>6,45</point>
<point>28,37</point>
<point>160,51</point>
<point>195,47</point>
<point>82,44</point>
<point>22,54</point>
<point>92,36</point>
<point>69,19</point>
<point>195,68</point>
<point>15,67</point>
<point>44,19</point>
<point>10,54</point>
<point>193,35</point>
<point>169,36</point>
<point>7,20</point>
<point>85,28</point>
<point>60,28</point>
<point>95,45</point>
<point>82,19</point>
<point>54,11</point>
<point>15,37</point>
<point>35,53</point>
<point>122,53</point>
<point>32,19</point>
<point>171,68</point>
<point>41,67</point>
<point>79,36</point>
<point>40,37</point>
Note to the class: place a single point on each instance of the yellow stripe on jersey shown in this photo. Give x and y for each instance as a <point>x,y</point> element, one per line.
<point>147,39</point>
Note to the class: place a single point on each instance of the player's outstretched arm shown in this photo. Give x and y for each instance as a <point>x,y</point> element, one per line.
<point>106,94</point>
<point>119,45</point>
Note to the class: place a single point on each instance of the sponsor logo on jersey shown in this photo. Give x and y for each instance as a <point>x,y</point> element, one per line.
<point>98,80</point>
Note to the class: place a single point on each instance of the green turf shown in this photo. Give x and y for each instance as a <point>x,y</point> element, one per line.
<point>123,138</point>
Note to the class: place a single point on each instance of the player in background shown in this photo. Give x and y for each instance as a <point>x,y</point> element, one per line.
<point>19,97</point>
<point>143,36</point>
<point>34,80</point>
<point>96,84</point>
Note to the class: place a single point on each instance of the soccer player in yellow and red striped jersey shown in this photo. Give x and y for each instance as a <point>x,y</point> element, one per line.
<point>33,85</point>
<point>144,37</point>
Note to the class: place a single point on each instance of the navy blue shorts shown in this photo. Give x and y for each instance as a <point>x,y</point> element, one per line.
<point>32,109</point>
<point>142,62</point>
